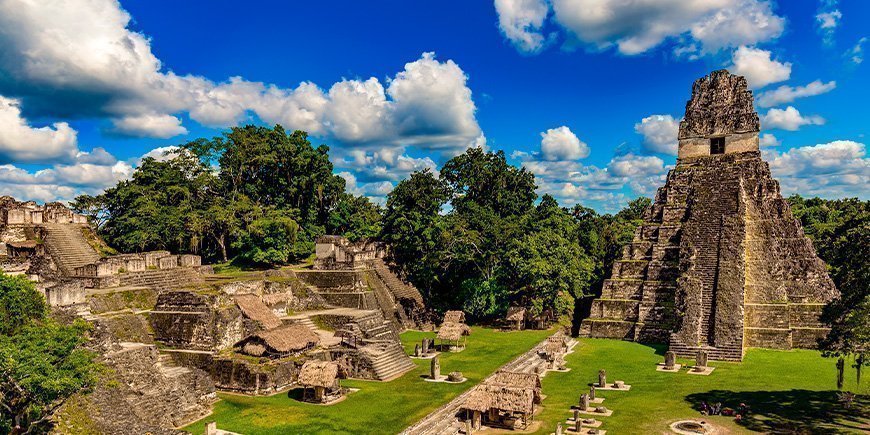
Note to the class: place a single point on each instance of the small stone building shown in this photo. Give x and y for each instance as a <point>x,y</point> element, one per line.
<point>720,263</point>
<point>320,381</point>
<point>279,342</point>
<point>339,253</point>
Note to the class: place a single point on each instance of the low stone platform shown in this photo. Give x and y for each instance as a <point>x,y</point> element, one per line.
<point>705,372</point>
<point>612,387</point>
<point>661,368</point>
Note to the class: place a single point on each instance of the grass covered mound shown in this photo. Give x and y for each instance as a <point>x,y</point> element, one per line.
<point>378,407</point>
<point>788,391</point>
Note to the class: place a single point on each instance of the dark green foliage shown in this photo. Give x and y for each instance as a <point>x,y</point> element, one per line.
<point>840,230</point>
<point>20,304</point>
<point>493,248</point>
<point>271,195</point>
<point>356,217</point>
<point>42,363</point>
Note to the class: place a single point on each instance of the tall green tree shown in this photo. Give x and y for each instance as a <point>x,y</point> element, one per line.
<point>42,363</point>
<point>840,231</point>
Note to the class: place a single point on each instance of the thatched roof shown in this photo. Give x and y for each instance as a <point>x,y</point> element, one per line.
<point>453,331</point>
<point>515,313</point>
<point>484,397</point>
<point>454,316</point>
<point>553,347</point>
<point>281,340</point>
<point>254,308</point>
<point>318,373</point>
<point>515,379</point>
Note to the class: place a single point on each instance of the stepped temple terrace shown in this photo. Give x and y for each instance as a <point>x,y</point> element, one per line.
<point>719,264</point>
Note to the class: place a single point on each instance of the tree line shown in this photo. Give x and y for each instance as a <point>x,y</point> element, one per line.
<point>473,236</point>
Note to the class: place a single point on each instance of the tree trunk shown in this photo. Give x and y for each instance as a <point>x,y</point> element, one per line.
<point>858,363</point>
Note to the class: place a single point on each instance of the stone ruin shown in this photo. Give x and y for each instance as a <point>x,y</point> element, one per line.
<point>355,274</point>
<point>720,263</point>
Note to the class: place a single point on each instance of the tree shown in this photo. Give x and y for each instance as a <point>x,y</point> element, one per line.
<point>354,217</point>
<point>840,231</point>
<point>272,239</point>
<point>94,207</point>
<point>20,303</point>
<point>412,227</point>
<point>42,363</point>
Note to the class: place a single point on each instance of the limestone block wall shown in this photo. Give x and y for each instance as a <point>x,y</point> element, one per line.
<point>188,320</point>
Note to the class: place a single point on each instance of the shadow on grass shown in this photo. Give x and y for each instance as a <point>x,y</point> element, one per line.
<point>792,411</point>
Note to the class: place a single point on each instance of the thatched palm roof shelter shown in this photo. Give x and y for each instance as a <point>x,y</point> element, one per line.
<point>278,342</point>
<point>320,380</point>
<point>319,374</point>
<point>454,316</point>
<point>500,406</point>
<point>516,318</point>
<point>451,334</point>
<point>254,308</point>
<point>516,314</point>
<point>526,381</point>
<point>484,397</point>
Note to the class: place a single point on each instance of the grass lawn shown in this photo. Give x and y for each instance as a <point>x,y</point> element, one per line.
<point>792,390</point>
<point>378,407</point>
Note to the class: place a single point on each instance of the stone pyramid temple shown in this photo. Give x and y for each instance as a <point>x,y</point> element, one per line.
<point>720,263</point>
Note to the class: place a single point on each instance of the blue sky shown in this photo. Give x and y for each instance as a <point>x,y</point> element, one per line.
<point>585,93</point>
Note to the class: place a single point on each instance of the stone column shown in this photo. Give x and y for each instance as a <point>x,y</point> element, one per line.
<point>559,429</point>
<point>425,346</point>
<point>435,368</point>
<point>417,350</point>
<point>701,359</point>
<point>670,360</point>
<point>577,423</point>
<point>602,378</point>
<point>584,402</point>
<point>592,392</point>
<point>211,428</point>
<point>468,429</point>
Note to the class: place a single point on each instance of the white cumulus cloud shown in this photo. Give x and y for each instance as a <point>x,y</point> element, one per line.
<point>758,67</point>
<point>659,133</point>
<point>21,142</point>
<point>150,125</point>
<point>786,94</point>
<point>788,119</point>
<point>768,140</point>
<point>562,144</point>
<point>76,59</point>
<point>832,170</point>
<point>637,26</point>
<point>521,22</point>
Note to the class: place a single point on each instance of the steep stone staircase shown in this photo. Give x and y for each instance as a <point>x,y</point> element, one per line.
<point>389,360</point>
<point>399,288</point>
<point>68,248</point>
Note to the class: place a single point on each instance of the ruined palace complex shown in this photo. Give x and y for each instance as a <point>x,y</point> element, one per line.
<point>720,263</point>
<point>173,332</point>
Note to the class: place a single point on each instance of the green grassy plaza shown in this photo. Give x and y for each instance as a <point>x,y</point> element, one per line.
<point>378,407</point>
<point>785,389</point>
